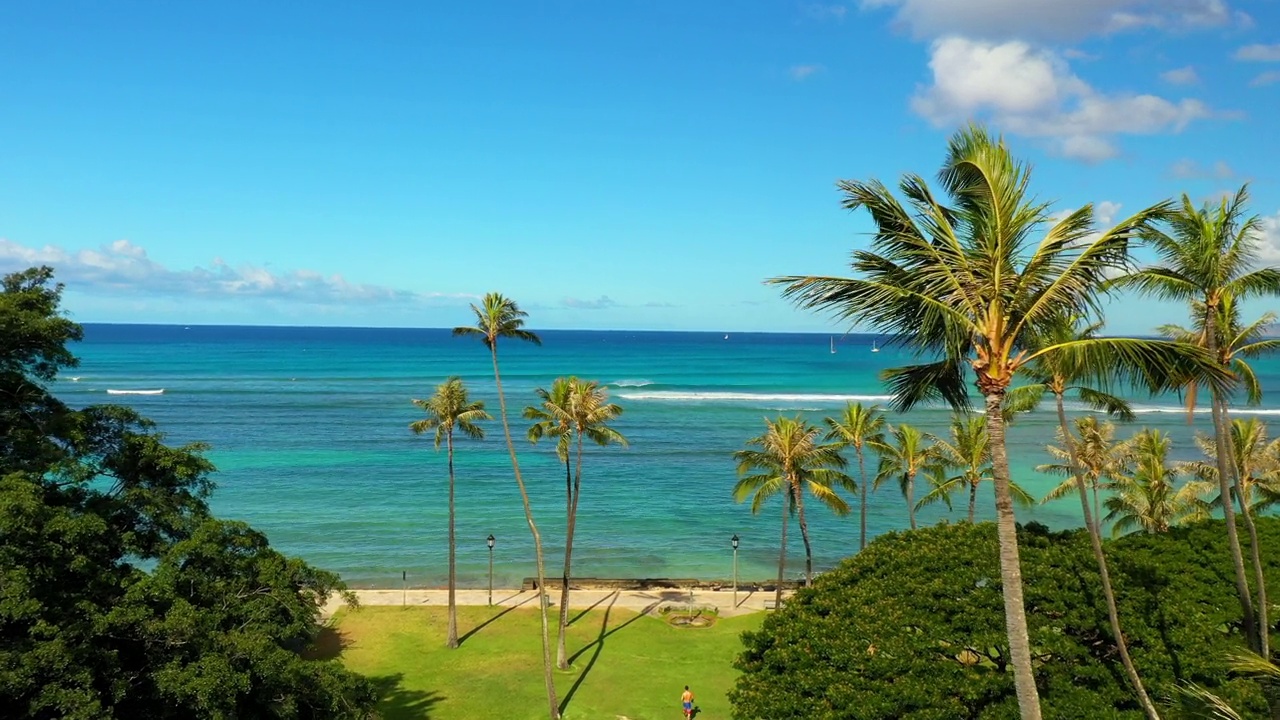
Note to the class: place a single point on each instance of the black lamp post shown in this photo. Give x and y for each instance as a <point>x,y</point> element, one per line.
<point>490,542</point>
<point>734,542</point>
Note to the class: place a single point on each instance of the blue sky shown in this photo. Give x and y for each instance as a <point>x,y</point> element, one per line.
<point>608,165</point>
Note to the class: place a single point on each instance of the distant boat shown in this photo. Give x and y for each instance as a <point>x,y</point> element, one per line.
<point>833,346</point>
<point>136,392</point>
<point>726,337</point>
<point>873,347</point>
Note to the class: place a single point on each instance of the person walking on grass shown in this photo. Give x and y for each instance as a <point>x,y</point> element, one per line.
<point>686,700</point>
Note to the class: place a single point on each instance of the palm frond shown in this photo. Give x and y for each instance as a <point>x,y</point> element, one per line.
<point>941,381</point>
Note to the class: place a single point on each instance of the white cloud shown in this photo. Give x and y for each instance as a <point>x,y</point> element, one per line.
<point>1259,53</point>
<point>1032,92</point>
<point>802,72</point>
<point>1053,20</point>
<point>122,267</point>
<point>1269,239</point>
<point>1181,76</point>
<point>1187,168</point>
<point>1267,78</point>
<point>603,302</point>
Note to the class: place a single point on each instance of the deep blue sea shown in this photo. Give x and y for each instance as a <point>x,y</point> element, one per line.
<point>309,431</point>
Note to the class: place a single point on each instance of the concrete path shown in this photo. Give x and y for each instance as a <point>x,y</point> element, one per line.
<point>638,600</point>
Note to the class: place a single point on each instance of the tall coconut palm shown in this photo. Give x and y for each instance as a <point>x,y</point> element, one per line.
<point>1255,455</point>
<point>967,453</point>
<point>590,412</point>
<point>1058,375</point>
<point>966,285</point>
<point>1099,460</point>
<point>905,453</point>
<point>859,428</point>
<point>499,317</point>
<point>1147,496</point>
<point>1209,255</point>
<point>788,459</point>
<point>1237,344</point>
<point>553,418</point>
<point>450,409</point>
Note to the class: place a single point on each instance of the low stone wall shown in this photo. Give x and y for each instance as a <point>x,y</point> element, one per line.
<point>589,583</point>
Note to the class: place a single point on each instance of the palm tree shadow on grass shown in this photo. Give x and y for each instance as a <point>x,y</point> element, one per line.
<point>610,597</point>
<point>492,620</point>
<point>397,703</point>
<point>328,644</point>
<point>598,644</point>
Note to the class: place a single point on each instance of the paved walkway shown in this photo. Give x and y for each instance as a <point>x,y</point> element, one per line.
<point>638,600</point>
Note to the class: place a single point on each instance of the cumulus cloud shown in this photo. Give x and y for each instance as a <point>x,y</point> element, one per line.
<point>601,303</point>
<point>801,72</point>
<point>123,267</point>
<point>1180,76</point>
<point>1267,78</point>
<point>1189,169</point>
<point>1053,20</point>
<point>1031,91</point>
<point>1259,53</point>
<point>1269,239</point>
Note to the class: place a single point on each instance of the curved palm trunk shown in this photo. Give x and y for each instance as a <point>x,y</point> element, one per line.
<point>1222,443</point>
<point>909,490</point>
<point>782,554</point>
<point>552,703</point>
<point>562,660</point>
<point>1259,579</point>
<point>1015,613</point>
<point>452,640</point>
<point>1097,508</point>
<point>804,535</point>
<point>1095,539</point>
<point>973,500</point>
<point>862,509</point>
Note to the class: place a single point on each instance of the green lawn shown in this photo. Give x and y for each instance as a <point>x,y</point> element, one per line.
<point>623,664</point>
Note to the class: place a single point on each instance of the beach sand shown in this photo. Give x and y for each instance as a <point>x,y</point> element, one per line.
<point>638,600</point>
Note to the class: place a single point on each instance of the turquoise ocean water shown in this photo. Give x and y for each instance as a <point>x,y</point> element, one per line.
<point>309,430</point>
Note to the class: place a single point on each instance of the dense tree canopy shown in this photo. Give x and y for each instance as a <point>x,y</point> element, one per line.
<point>913,628</point>
<point>120,595</point>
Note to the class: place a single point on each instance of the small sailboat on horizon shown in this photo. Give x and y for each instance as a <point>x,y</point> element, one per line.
<point>833,346</point>
<point>873,346</point>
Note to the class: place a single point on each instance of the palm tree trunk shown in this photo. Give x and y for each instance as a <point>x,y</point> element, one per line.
<point>1097,508</point>
<point>973,500</point>
<point>1259,579</point>
<point>782,553</point>
<point>549,680</point>
<point>562,655</point>
<point>804,535</point>
<point>571,523</point>
<point>1095,539</point>
<point>452,640</point>
<point>1015,612</point>
<point>862,509</point>
<point>909,489</point>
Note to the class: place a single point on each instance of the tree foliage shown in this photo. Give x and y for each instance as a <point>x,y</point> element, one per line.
<point>913,628</point>
<point>120,595</point>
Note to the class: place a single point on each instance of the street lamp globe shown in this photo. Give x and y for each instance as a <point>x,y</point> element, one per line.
<point>734,540</point>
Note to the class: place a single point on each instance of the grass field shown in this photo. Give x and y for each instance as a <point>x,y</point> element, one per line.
<point>624,665</point>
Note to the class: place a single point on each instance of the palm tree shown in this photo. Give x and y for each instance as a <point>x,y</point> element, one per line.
<point>904,455</point>
<point>450,409</point>
<point>967,453</point>
<point>1209,255</point>
<point>966,285</point>
<point>1098,461</point>
<point>1147,496</point>
<point>1257,463</point>
<point>574,409</point>
<point>788,459</point>
<point>858,428</point>
<point>500,317</point>
<point>1059,375</point>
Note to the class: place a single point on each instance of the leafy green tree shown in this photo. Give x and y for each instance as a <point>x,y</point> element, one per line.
<point>913,628</point>
<point>904,454</point>
<point>1209,255</point>
<point>967,285</point>
<point>788,459</point>
<point>859,428</point>
<point>89,497</point>
<point>1147,496</point>
<point>499,317</point>
<point>450,409</point>
<point>967,453</point>
<point>573,409</point>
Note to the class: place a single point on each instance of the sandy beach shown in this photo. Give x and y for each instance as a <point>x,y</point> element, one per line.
<point>722,601</point>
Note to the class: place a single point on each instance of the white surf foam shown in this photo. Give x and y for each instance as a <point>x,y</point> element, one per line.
<point>630,383</point>
<point>135,392</point>
<point>1176,410</point>
<point>713,396</point>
